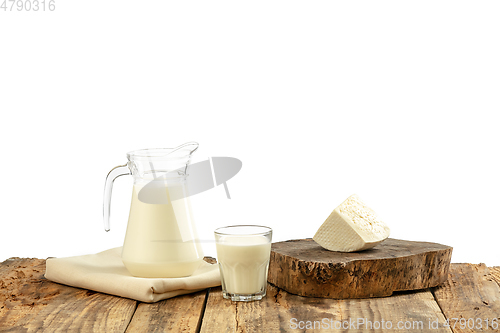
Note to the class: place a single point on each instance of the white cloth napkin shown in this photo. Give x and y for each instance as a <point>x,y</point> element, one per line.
<point>104,272</point>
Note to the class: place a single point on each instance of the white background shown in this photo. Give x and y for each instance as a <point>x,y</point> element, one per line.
<point>395,101</point>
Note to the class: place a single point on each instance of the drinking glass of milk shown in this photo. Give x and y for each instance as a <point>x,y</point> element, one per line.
<point>243,254</point>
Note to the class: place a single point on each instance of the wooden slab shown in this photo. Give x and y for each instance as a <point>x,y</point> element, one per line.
<point>304,268</point>
<point>470,299</point>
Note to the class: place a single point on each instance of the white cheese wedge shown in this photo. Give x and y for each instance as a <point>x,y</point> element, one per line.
<point>352,226</point>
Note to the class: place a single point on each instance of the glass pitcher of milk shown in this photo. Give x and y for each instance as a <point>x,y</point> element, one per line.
<point>161,239</point>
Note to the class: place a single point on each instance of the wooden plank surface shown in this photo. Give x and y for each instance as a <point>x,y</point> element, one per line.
<point>404,311</point>
<point>178,314</point>
<point>220,314</point>
<point>30,303</point>
<point>470,298</point>
<point>280,311</point>
<point>304,268</point>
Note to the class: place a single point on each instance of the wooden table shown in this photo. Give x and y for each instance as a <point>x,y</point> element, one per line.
<point>30,303</point>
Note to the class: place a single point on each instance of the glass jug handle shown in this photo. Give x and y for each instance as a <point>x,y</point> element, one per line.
<point>110,178</point>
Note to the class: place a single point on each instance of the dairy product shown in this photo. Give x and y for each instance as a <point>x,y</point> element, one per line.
<point>243,261</point>
<point>160,240</point>
<point>352,226</point>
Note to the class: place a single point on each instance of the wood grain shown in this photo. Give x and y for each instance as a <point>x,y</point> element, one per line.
<point>280,311</point>
<point>266,315</point>
<point>414,311</point>
<point>178,314</point>
<point>471,292</point>
<point>304,268</point>
<point>30,303</point>
<point>495,273</point>
<point>220,314</point>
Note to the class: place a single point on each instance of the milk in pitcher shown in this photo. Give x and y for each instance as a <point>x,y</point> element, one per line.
<point>159,239</point>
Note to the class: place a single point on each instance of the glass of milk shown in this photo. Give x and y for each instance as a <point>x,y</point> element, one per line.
<point>243,254</point>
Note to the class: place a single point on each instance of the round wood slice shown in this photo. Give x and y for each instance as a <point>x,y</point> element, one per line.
<point>304,268</point>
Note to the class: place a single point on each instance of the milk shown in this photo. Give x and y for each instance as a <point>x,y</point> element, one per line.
<point>160,240</point>
<point>243,261</point>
